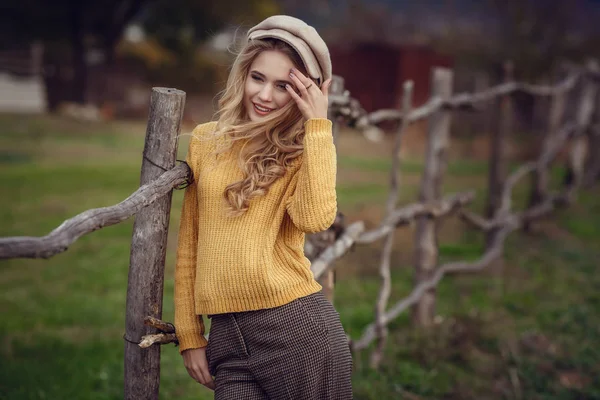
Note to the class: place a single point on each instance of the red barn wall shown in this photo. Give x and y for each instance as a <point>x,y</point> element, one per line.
<point>374,73</point>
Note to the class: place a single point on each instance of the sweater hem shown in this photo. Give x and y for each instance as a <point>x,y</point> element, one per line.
<point>232,304</point>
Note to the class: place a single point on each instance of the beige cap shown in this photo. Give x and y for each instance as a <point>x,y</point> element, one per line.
<point>302,37</point>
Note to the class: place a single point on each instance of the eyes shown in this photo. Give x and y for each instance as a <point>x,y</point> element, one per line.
<point>279,85</point>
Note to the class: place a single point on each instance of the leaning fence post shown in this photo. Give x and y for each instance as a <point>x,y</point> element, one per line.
<point>149,245</point>
<point>337,88</point>
<point>482,83</point>
<point>426,248</point>
<point>592,166</point>
<point>579,147</point>
<point>497,164</point>
<point>540,177</point>
<point>384,266</point>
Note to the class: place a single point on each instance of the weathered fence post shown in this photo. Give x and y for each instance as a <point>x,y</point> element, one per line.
<point>426,247</point>
<point>384,267</point>
<point>149,246</point>
<point>337,88</point>
<point>579,147</point>
<point>482,83</point>
<point>592,169</point>
<point>539,187</point>
<point>592,166</point>
<point>497,164</point>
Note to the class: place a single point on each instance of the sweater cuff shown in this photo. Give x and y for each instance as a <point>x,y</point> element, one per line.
<point>318,127</point>
<point>191,340</point>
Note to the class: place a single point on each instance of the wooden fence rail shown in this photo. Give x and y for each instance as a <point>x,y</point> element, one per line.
<point>142,365</point>
<point>89,221</point>
<point>501,220</point>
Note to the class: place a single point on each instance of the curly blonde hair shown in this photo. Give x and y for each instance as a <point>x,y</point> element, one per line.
<point>269,146</point>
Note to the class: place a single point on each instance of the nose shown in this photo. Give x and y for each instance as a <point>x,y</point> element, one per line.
<point>266,93</point>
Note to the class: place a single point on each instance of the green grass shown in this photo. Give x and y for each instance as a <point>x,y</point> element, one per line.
<point>457,168</point>
<point>527,329</point>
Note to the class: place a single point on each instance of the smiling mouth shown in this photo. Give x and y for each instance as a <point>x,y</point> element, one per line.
<point>261,110</point>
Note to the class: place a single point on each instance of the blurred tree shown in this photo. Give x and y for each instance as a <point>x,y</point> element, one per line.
<point>68,29</point>
<point>537,35</point>
<point>534,33</point>
<point>180,25</point>
<point>71,29</point>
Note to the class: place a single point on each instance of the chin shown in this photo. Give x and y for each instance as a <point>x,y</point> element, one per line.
<point>256,118</point>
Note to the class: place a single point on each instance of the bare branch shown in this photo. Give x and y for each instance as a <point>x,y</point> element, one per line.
<point>588,70</point>
<point>505,221</point>
<point>507,224</point>
<point>354,233</point>
<point>425,234</point>
<point>467,100</point>
<point>579,147</point>
<point>384,267</point>
<point>407,214</point>
<point>338,249</point>
<point>550,151</point>
<point>511,181</point>
<point>162,326</point>
<point>478,221</point>
<point>158,338</point>
<point>88,221</point>
<point>556,142</point>
<point>544,208</point>
<point>488,257</point>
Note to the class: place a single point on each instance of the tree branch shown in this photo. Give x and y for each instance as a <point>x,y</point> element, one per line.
<point>158,338</point>
<point>489,256</point>
<point>88,221</point>
<point>336,250</point>
<point>407,214</point>
<point>465,101</point>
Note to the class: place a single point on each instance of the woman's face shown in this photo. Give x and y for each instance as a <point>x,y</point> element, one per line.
<point>265,84</point>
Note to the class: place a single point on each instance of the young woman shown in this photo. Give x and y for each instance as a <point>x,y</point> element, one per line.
<point>264,175</point>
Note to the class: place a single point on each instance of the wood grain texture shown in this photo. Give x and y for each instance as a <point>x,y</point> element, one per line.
<point>541,176</point>
<point>580,146</point>
<point>385,276</point>
<point>498,164</point>
<point>327,281</point>
<point>149,245</point>
<point>426,241</point>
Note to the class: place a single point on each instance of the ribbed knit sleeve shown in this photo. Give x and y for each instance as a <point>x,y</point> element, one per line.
<point>313,204</point>
<point>189,326</point>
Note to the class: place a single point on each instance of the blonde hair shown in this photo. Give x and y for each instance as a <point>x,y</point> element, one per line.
<point>268,146</point>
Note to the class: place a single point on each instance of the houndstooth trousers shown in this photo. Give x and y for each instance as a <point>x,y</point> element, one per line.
<point>297,351</point>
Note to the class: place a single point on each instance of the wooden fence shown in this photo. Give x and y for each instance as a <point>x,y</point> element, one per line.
<point>501,219</point>
<point>151,206</point>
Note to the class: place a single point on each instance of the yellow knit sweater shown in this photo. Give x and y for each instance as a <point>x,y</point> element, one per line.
<point>254,261</point>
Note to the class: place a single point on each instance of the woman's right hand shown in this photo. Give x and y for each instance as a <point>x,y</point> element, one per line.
<point>197,366</point>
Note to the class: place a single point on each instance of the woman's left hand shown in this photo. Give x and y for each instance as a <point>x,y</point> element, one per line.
<point>312,101</point>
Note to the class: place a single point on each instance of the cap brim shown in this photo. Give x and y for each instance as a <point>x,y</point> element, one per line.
<point>309,59</point>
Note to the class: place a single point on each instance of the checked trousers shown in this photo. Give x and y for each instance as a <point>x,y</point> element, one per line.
<point>297,351</point>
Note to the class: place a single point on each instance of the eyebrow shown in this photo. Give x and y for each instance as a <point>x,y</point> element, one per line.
<point>263,76</point>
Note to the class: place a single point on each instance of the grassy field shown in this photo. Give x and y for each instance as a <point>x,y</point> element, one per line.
<point>527,330</point>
